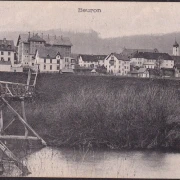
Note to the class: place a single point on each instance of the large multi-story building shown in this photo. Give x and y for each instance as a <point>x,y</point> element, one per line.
<point>131,52</point>
<point>28,44</point>
<point>152,60</point>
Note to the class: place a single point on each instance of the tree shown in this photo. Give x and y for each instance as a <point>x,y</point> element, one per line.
<point>101,69</point>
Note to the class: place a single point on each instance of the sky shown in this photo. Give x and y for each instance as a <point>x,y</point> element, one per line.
<point>116,19</point>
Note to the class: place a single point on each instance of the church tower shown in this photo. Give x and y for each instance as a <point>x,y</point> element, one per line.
<point>175,49</point>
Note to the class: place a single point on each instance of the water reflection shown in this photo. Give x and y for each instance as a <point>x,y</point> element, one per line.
<point>53,162</point>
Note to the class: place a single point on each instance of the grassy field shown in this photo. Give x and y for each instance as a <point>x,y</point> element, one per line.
<point>103,111</point>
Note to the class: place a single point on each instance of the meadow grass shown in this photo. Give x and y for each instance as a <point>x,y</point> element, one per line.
<point>102,111</point>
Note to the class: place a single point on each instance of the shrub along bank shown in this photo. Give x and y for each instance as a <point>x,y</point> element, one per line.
<point>102,111</point>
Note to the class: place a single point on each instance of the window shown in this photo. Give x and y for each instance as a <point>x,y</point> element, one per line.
<point>2,59</point>
<point>9,53</point>
<point>2,53</point>
<point>50,67</point>
<point>9,59</point>
<point>57,61</point>
<point>50,60</point>
<point>44,66</point>
<point>44,60</point>
<point>32,64</point>
<point>57,67</point>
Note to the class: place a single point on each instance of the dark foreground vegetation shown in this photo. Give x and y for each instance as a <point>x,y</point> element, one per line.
<point>102,111</point>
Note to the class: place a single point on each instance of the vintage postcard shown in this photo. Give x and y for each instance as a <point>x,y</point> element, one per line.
<point>90,89</point>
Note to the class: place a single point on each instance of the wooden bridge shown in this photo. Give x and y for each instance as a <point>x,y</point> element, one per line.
<point>17,92</point>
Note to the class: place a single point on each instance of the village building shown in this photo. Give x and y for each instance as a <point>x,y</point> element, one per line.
<point>92,61</point>
<point>28,44</point>
<point>152,60</point>
<point>141,72</point>
<point>7,54</point>
<point>131,52</point>
<point>49,59</point>
<point>117,64</point>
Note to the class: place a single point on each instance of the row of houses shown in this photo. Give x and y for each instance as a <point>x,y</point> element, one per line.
<point>44,53</point>
<point>47,53</point>
<point>129,61</point>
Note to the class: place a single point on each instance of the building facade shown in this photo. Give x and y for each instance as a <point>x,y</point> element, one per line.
<point>117,64</point>
<point>28,44</point>
<point>49,59</point>
<point>91,61</point>
<point>7,51</point>
<point>152,60</point>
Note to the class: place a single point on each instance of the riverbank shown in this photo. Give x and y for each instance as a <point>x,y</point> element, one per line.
<point>104,111</point>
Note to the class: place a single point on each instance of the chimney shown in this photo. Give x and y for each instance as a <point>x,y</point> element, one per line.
<point>42,35</point>
<point>29,34</point>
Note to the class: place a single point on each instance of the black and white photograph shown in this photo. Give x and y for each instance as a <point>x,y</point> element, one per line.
<point>90,89</point>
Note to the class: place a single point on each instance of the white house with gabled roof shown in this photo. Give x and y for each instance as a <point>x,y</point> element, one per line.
<point>117,64</point>
<point>49,59</point>
<point>93,61</point>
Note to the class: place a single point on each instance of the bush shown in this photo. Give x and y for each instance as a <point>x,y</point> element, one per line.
<point>128,117</point>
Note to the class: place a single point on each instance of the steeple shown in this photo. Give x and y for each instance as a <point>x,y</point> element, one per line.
<point>175,48</point>
<point>175,44</point>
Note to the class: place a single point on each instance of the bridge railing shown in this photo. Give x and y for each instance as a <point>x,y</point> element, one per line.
<point>10,89</point>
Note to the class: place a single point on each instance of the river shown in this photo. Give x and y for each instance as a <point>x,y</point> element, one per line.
<point>54,162</point>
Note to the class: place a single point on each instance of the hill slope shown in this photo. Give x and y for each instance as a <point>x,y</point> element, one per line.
<point>91,43</point>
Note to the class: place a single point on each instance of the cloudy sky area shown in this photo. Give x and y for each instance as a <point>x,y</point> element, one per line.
<point>116,18</point>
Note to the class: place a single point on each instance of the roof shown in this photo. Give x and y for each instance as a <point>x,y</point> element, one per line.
<point>57,40</point>
<point>134,71</point>
<point>121,57</point>
<point>47,52</point>
<point>23,38</point>
<point>36,38</point>
<point>150,55</point>
<point>175,44</point>
<point>7,45</point>
<point>92,58</point>
<point>130,52</point>
<point>67,71</point>
<point>168,69</point>
<point>93,71</point>
<point>141,70</point>
<point>52,40</point>
<point>5,63</point>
